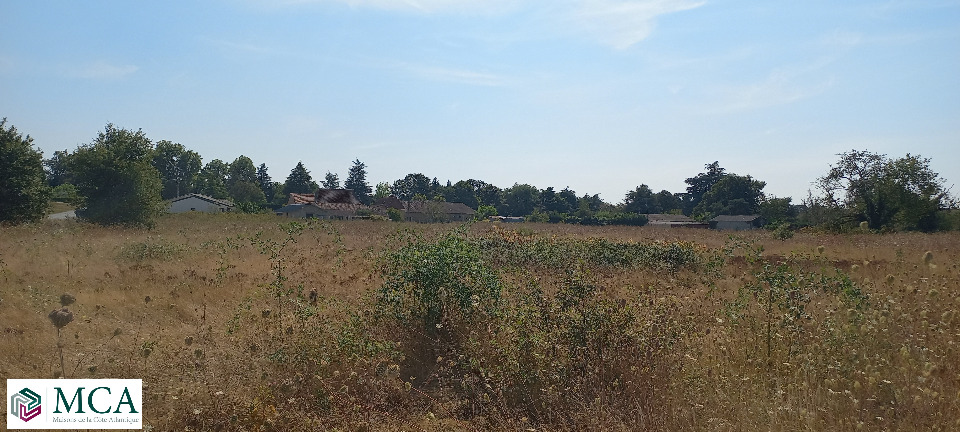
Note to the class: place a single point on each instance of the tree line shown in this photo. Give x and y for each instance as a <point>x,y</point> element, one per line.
<point>123,177</point>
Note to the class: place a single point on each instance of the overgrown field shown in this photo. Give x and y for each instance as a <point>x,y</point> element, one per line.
<point>241,322</point>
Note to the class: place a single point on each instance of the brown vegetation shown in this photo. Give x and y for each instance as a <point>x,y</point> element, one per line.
<point>236,324</point>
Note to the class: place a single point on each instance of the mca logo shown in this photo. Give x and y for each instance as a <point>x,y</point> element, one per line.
<point>25,404</point>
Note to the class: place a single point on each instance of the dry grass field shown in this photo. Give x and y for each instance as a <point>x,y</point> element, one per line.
<point>236,322</point>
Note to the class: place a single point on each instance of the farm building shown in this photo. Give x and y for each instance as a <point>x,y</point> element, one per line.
<point>673,221</point>
<point>427,211</point>
<point>338,204</point>
<point>201,203</point>
<point>337,211</point>
<point>736,223</point>
<point>330,196</point>
<point>437,211</point>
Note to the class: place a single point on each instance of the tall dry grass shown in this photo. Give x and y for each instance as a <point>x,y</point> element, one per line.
<point>759,334</point>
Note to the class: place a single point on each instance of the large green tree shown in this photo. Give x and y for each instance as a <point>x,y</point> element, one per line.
<point>461,192</point>
<point>178,168</point>
<point>641,200</point>
<point>412,186</point>
<point>331,181</point>
<point>357,181</point>
<point>23,184</point>
<point>902,193</point>
<point>57,168</point>
<point>699,185</point>
<point>212,180</point>
<point>117,180</point>
<point>299,181</point>
<point>732,195</point>
<point>519,200</point>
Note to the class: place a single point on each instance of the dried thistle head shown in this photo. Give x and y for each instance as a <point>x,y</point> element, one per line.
<point>60,317</point>
<point>67,299</point>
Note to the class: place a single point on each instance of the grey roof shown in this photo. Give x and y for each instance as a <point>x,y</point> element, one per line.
<point>203,197</point>
<point>735,218</point>
<point>667,218</point>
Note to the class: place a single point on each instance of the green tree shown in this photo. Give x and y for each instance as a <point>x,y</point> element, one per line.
<point>299,181</point>
<point>266,183</point>
<point>248,196</point>
<point>117,180</point>
<point>383,190</point>
<point>178,168</point>
<point>777,211</point>
<point>241,169</point>
<point>331,181</point>
<point>732,195</point>
<point>700,184</point>
<point>57,168</point>
<point>24,192</point>
<point>212,180</point>
<point>519,200</point>
<point>641,200</point>
<point>411,186</point>
<point>357,181</point>
<point>488,194</point>
<point>668,201</point>
<point>886,193</point>
<point>461,192</point>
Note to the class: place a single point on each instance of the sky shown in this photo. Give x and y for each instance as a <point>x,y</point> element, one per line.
<point>596,95</point>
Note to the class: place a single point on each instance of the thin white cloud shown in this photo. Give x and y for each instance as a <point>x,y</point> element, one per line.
<point>460,76</point>
<point>781,87</point>
<point>616,23</point>
<point>102,70</point>
<point>426,6</point>
<point>623,23</point>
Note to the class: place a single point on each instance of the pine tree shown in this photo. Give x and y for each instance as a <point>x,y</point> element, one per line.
<point>357,180</point>
<point>299,181</point>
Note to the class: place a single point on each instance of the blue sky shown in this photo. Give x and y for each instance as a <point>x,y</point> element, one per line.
<point>597,95</point>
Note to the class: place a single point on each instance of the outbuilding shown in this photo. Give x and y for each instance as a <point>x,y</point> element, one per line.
<point>736,222</point>
<point>200,203</point>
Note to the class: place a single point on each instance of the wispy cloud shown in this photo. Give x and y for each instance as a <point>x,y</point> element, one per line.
<point>781,87</point>
<point>622,23</point>
<point>616,23</point>
<point>428,6</point>
<point>102,70</point>
<point>460,76</point>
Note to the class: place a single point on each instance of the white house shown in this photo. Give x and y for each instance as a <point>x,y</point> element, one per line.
<point>201,203</point>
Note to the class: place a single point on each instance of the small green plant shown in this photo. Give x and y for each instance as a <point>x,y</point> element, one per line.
<point>783,232</point>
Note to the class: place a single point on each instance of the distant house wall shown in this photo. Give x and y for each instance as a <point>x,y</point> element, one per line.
<point>733,226</point>
<point>328,212</point>
<point>196,203</point>
<point>736,223</point>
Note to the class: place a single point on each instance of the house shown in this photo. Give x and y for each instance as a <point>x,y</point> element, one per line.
<point>330,196</point>
<point>340,204</point>
<point>330,211</point>
<point>201,203</point>
<point>736,223</point>
<point>674,221</point>
<point>437,211</point>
